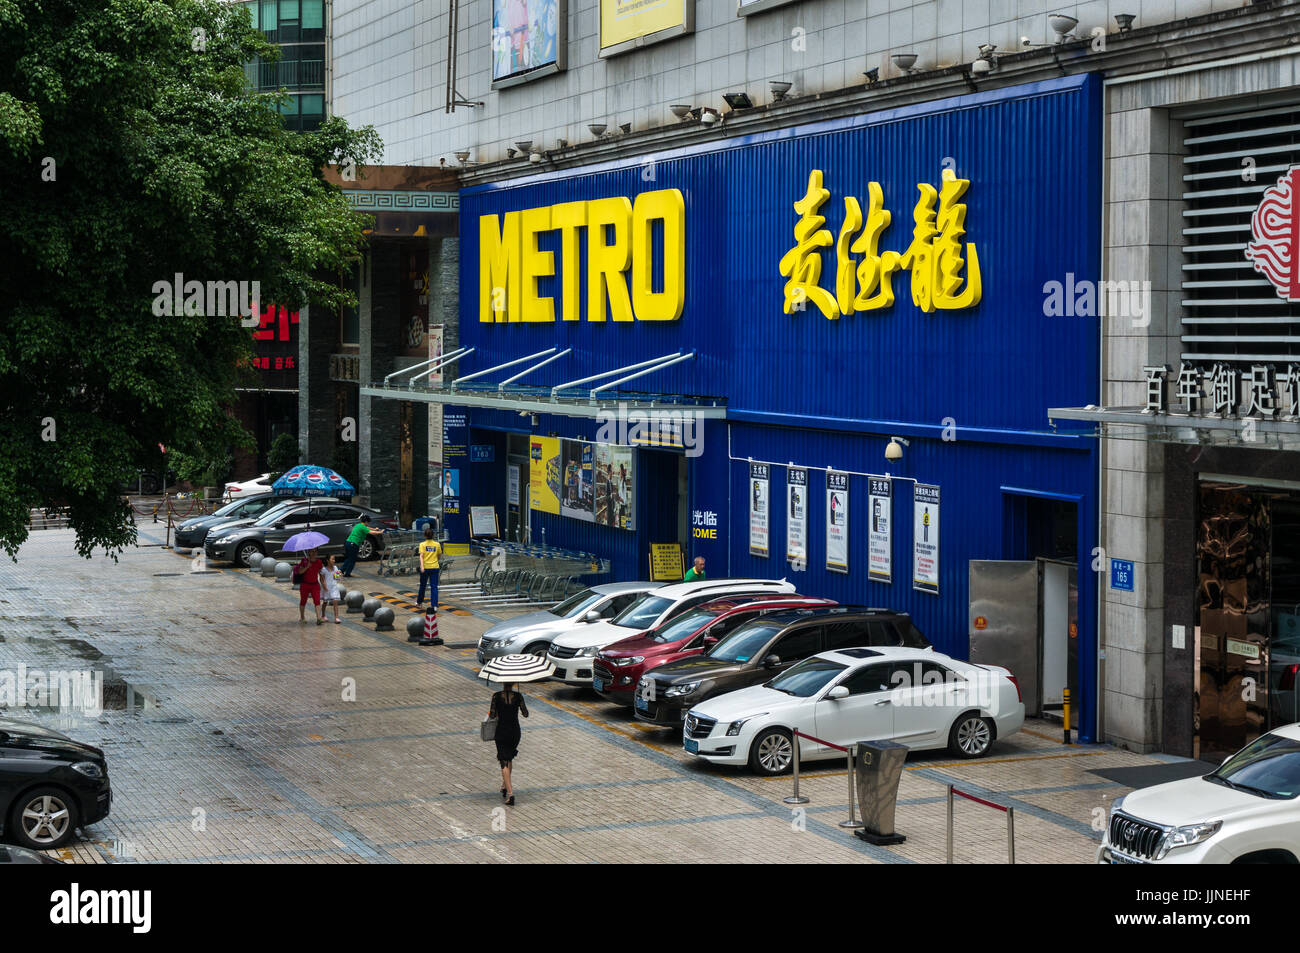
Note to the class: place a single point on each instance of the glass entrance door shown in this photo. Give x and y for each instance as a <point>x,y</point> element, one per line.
<point>1233,599</point>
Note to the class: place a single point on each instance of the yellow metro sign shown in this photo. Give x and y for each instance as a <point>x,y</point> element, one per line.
<point>620,267</point>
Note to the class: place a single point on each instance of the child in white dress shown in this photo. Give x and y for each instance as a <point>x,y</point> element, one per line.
<point>329,587</point>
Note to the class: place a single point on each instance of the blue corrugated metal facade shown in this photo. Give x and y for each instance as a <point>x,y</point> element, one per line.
<point>829,393</point>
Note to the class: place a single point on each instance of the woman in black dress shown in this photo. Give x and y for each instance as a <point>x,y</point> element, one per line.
<point>507,706</point>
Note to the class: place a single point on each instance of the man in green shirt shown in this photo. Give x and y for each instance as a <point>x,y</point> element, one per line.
<point>353,544</point>
<point>696,572</point>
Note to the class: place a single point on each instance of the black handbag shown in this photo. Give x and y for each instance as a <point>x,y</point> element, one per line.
<point>488,730</point>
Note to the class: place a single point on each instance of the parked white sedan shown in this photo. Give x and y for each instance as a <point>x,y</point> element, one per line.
<point>915,697</point>
<point>257,484</point>
<point>1244,812</point>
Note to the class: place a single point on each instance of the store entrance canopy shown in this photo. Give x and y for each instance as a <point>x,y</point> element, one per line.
<point>592,395</point>
<point>1278,432</point>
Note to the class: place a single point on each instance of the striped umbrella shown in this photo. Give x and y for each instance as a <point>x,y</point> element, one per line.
<point>517,668</point>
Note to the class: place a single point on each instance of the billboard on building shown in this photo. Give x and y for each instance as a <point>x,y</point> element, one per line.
<point>528,36</point>
<point>576,459</point>
<point>615,485</point>
<point>544,474</point>
<point>626,24</point>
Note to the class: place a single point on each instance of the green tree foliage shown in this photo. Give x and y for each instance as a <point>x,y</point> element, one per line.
<point>283,454</point>
<point>133,152</point>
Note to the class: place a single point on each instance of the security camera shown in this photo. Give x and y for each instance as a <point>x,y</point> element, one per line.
<point>894,450</point>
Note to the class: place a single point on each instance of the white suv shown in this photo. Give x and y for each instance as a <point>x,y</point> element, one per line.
<point>1244,812</point>
<point>572,653</point>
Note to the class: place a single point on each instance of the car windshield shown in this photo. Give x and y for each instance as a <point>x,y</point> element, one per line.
<point>274,513</point>
<point>807,678</point>
<point>684,625</point>
<point>642,613</point>
<point>228,508</point>
<point>1269,766</point>
<point>741,645</point>
<point>576,604</point>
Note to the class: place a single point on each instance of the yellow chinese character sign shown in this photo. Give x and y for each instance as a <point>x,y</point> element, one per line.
<point>942,279</point>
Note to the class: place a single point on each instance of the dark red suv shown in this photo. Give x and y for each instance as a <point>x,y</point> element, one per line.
<point>619,667</point>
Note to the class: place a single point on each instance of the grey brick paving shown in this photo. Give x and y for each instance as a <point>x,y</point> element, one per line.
<point>235,743</point>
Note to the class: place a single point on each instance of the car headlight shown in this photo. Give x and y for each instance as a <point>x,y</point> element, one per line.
<point>735,726</point>
<point>634,660</point>
<point>89,769</point>
<point>1188,835</point>
<point>225,539</point>
<point>589,652</point>
<point>1116,804</point>
<point>673,691</point>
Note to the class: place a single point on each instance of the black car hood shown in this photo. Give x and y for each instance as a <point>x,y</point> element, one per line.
<point>24,734</point>
<point>699,666</point>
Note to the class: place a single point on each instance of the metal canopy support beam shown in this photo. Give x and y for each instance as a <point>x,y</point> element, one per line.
<point>491,400</point>
<point>649,370</point>
<point>555,391</point>
<point>527,371</point>
<point>407,370</point>
<point>446,359</point>
<point>501,367</point>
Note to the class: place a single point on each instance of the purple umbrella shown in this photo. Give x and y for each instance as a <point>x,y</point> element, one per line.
<point>300,542</point>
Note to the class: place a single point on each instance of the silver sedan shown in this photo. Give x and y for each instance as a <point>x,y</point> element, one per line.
<point>531,634</point>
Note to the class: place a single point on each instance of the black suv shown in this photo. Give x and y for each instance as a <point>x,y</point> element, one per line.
<point>49,785</point>
<point>760,649</point>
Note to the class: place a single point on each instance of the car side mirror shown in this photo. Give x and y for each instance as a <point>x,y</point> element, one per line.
<point>279,526</point>
<point>592,616</point>
<point>838,692</point>
<point>772,661</point>
<point>710,640</point>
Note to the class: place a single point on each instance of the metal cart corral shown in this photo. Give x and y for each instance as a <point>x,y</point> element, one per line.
<point>507,573</point>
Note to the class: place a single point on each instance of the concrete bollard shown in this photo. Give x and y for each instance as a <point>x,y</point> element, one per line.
<point>343,593</point>
<point>384,619</point>
<point>354,601</point>
<point>268,566</point>
<point>283,572</point>
<point>370,607</point>
<point>415,628</point>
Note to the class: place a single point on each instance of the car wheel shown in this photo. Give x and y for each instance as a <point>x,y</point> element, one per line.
<point>43,819</point>
<point>971,736</point>
<point>366,550</point>
<point>538,649</point>
<point>772,752</point>
<point>247,552</point>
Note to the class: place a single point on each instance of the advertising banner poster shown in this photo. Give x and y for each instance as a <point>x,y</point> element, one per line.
<point>512,484</point>
<point>455,462</point>
<point>880,547</point>
<point>925,538</point>
<point>796,521</point>
<point>578,497</point>
<point>435,424</point>
<point>759,509</point>
<point>622,21</point>
<point>525,36</point>
<point>837,521</point>
<point>615,483</point>
<point>544,474</point>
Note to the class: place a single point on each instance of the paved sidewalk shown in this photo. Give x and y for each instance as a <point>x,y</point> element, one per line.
<point>235,734</point>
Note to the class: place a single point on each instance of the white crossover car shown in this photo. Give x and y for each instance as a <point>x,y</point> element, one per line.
<point>531,634</point>
<point>257,484</point>
<point>1243,812</point>
<point>916,697</point>
<point>572,653</point>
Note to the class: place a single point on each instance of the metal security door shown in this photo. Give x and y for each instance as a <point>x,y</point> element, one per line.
<point>1003,622</point>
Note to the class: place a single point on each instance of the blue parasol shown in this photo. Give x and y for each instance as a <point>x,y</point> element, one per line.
<point>308,480</point>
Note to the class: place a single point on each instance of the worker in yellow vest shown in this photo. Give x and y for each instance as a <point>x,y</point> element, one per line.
<point>430,553</point>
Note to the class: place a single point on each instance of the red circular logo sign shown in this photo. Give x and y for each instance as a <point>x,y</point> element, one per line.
<point>1275,236</point>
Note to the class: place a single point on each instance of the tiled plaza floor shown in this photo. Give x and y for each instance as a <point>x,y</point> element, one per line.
<point>236,734</point>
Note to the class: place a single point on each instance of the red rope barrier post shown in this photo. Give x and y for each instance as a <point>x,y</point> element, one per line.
<point>851,823</point>
<point>796,798</point>
<point>1011,835</point>
<point>949,860</point>
<point>1010,812</point>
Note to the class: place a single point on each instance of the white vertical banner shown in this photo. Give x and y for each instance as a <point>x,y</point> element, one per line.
<point>435,425</point>
<point>512,484</point>
<point>796,520</point>
<point>837,521</point>
<point>760,510</point>
<point>880,549</point>
<point>925,538</point>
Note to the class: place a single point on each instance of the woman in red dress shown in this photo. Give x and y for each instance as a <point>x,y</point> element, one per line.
<point>308,570</point>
